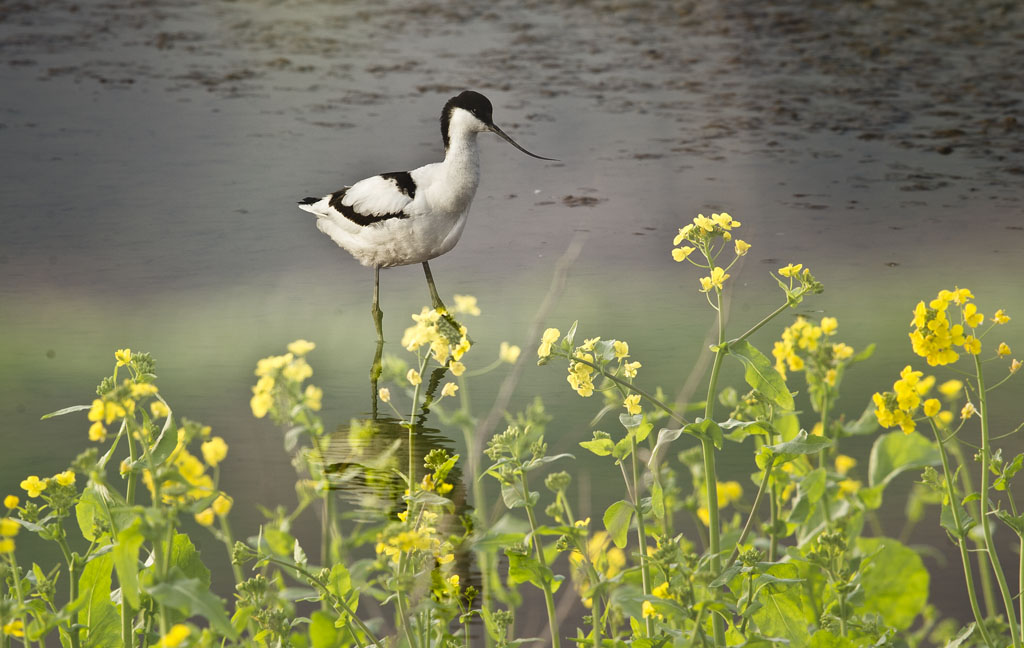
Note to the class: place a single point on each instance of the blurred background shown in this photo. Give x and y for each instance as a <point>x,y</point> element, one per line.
<point>153,152</point>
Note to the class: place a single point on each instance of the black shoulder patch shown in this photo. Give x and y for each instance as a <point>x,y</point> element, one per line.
<point>359,219</point>
<point>404,181</point>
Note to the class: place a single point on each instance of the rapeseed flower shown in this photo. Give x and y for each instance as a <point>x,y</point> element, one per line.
<point>313,397</point>
<point>33,485</point>
<point>932,406</point>
<point>11,501</point>
<point>301,347</point>
<point>384,394</point>
<point>629,369</point>
<point>1000,317</point>
<point>742,247</point>
<point>843,464</point>
<point>413,377</point>
<point>222,505</point>
<point>968,411</point>
<point>508,353</point>
<point>1003,350</point>
<point>715,280</point>
<point>466,305</point>
<point>681,254</point>
<point>9,527</point>
<point>457,368</point>
<point>550,336</point>
<point>791,270</point>
<point>632,404</point>
<point>951,388</point>
<point>123,357</point>
<point>449,389</point>
<point>177,634</point>
<point>15,628</point>
<point>205,517</point>
<point>66,478</point>
<point>214,451</point>
<point>159,409</point>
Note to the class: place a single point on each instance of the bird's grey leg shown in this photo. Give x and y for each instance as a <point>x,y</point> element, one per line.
<point>375,311</point>
<point>436,301</point>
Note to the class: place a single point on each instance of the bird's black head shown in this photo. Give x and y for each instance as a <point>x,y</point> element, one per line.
<point>473,102</point>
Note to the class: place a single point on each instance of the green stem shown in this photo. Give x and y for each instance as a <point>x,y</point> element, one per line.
<point>984,573</point>
<point>72,577</point>
<point>710,474</point>
<point>16,575</point>
<point>126,615</point>
<point>965,557</point>
<point>750,518</point>
<point>641,532</point>
<point>622,383</point>
<point>985,527</point>
<point>696,626</point>
<point>549,599</point>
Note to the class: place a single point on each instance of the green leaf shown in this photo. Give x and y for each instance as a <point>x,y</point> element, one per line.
<point>802,444</point>
<point>894,579</point>
<point>514,499</point>
<point>89,508</point>
<point>784,613</point>
<point>961,637</point>
<point>66,410</point>
<point>126,561</point>
<point>825,639</point>
<point>185,557</point>
<point>617,519</point>
<point>704,428</point>
<point>636,425</point>
<point>896,452</point>
<point>98,614</point>
<point>602,447</point>
<point>812,486</point>
<point>524,568</point>
<point>866,424</point>
<point>280,542</point>
<point>761,375</point>
<point>570,337</point>
<point>322,633</point>
<point>192,598</point>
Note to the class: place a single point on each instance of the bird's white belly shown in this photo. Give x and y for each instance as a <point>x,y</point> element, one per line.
<point>398,241</point>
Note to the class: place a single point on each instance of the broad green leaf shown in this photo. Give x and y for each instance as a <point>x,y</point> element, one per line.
<point>761,375</point>
<point>784,613</point>
<point>322,633</point>
<point>88,510</point>
<point>812,486</point>
<point>894,579</point>
<point>514,499</point>
<point>1015,522</point>
<point>527,569</point>
<point>192,598</point>
<point>617,518</point>
<point>825,639</point>
<point>657,500</point>
<point>637,425</point>
<point>802,444</point>
<point>602,446</point>
<point>704,428</point>
<point>99,616</point>
<point>66,410</point>
<point>541,461</point>
<point>280,542</point>
<point>126,561</point>
<point>896,452</point>
<point>961,637</point>
<point>185,557</point>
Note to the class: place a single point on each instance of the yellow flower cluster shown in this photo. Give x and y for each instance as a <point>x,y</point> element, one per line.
<point>15,628</point>
<point>197,484</point>
<point>728,492</point>
<point>550,336</point>
<point>934,335</point>
<point>448,341</point>
<point>178,633</point>
<point>9,528</point>
<point>581,376</point>
<point>220,507</point>
<point>702,233</point>
<point>803,340</point>
<point>289,370</point>
<point>897,408</point>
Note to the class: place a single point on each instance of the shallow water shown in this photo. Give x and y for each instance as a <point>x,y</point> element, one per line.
<point>153,151</point>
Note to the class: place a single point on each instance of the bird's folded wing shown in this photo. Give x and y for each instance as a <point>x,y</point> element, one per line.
<point>378,196</point>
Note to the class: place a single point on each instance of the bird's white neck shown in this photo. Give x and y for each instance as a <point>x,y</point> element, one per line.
<point>462,164</point>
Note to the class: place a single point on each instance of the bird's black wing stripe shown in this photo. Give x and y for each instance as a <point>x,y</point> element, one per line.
<point>404,181</point>
<point>359,219</point>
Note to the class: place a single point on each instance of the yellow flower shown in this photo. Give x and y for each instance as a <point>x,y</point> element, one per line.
<point>1000,317</point>
<point>741,247</point>
<point>829,325</point>
<point>621,349</point>
<point>844,463</point>
<point>97,432</point>
<point>445,559</point>
<point>141,390</point>
<point>413,377</point>
<point>729,492</point>
<point>629,369</point>
<point>791,270</point>
<point>123,357</point>
<point>972,345</point>
<point>297,370</point>
<point>830,377</point>
<point>33,485</point>
<point>704,223</point>
<point>205,517</point>
<point>968,411</point>
<point>716,279</point>
<point>508,353</point>
<point>661,591</point>
<point>1015,365</point>
<point>384,394</point>
<point>683,231</point>
<point>841,351</point>
<point>849,487</point>
<point>972,317</point>
<point>550,336</point>
<point>11,501</point>
<point>313,397</point>
<point>214,451</point>
<point>704,516</point>
<point>466,305</point>
<point>725,221</point>
<point>261,403</point>
<point>177,634</point>
<point>66,478</point>
<point>632,404</point>
<point>449,389</point>
<point>951,388</point>
<point>818,429</point>
<point>680,254</point>
<point>6,547</point>
<point>932,407</point>
<point>15,628</point>
<point>301,347</point>
<point>159,409</point>
<point>1003,350</point>
<point>581,524</point>
<point>456,367</point>
<point>9,528</point>
<point>222,505</point>
<point>648,611</point>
